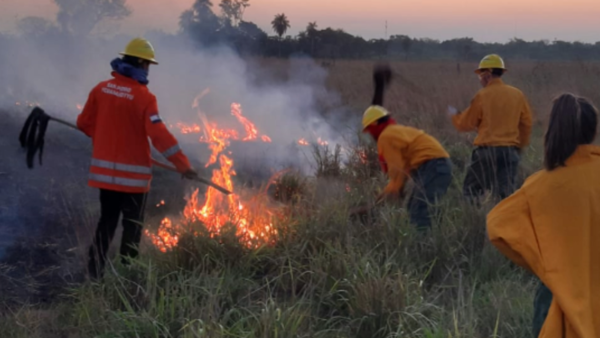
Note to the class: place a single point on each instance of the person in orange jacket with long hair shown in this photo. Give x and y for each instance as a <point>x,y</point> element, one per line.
<point>551,226</point>
<point>120,115</point>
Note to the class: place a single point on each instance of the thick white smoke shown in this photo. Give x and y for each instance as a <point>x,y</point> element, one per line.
<point>59,72</point>
<point>53,203</point>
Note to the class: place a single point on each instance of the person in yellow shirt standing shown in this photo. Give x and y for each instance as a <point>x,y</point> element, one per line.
<point>502,118</point>
<point>551,225</point>
<point>407,152</point>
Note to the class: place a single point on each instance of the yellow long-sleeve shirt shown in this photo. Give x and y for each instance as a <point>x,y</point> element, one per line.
<point>405,149</point>
<point>551,226</point>
<point>500,114</point>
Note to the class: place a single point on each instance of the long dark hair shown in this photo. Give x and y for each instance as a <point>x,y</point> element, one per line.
<point>573,121</point>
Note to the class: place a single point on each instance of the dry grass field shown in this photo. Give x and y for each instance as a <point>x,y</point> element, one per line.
<point>328,275</point>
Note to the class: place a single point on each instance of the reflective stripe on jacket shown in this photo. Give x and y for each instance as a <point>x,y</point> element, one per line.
<point>120,116</point>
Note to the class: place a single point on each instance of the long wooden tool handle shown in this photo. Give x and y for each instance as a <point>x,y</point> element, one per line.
<point>213,185</point>
<point>158,163</point>
<point>68,124</point>
<point>197,178</point>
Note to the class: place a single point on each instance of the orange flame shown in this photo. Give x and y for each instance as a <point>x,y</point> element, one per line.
<point>167,237</point>
<point>189,129</point>
<point>322,142</point>
<point>79,107</point>
<point>251,131</point>
<point>252,217</point>
<point>303,142</point>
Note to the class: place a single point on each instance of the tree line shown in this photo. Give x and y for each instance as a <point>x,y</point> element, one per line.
<point>208,24</point>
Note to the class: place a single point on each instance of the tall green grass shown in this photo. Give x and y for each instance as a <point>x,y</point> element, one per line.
<point>328,275</point>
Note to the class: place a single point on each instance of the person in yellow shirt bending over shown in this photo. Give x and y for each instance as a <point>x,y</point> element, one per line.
<point>407,152</point>
<point>551,226</point>
<point>502,118</point>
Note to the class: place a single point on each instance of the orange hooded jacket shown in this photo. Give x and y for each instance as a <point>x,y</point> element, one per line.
<point>551,226</point>
<point>120,115</point>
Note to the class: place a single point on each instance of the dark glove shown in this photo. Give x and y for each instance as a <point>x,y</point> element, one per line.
<point>190,174</point>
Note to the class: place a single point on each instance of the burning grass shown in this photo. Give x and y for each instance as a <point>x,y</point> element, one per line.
<point>252,215</point>
<point>321,274</point>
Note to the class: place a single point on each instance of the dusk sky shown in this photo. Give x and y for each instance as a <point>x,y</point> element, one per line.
<point>438,19</point>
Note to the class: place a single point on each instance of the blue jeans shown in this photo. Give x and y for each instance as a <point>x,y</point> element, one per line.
<point>432,180</point>
<point>492,168</point>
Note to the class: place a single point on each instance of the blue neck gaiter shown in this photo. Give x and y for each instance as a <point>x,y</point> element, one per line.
<point>127,70</point>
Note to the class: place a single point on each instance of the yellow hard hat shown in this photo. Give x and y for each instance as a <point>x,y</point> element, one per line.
<point>372,114</point>
<point>490,61</point>
<point>140,48</point>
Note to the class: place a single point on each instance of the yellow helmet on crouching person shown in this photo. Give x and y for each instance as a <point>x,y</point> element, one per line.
<point>492,61</point>
<point>372,114</point>
<point>142,49</point>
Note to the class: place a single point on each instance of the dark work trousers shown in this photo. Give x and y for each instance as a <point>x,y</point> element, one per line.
<point>432,180</point>
<point>494,169</point>
<point>112,205</point>
<point>541,307</point>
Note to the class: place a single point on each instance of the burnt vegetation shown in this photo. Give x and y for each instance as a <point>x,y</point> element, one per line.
<point>326,275</point>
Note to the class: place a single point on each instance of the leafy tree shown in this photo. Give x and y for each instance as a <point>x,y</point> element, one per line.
<point>233,10</point>
<point>311,32</point>
<point>465,47</point>
<point>203,14</point>
<point>251,30</point>
<point>403,41</point>
<point>201,22</point>
<point>80,17</point>
<point>311,28</point>
<point>203,25</point>
<point>406,45</point>
<point>280,24</point>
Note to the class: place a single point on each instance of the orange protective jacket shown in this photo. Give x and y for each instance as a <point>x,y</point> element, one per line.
<point>120,115</point>
<point>404,149</point>
<point>500,114</point>
<point>551,226</point>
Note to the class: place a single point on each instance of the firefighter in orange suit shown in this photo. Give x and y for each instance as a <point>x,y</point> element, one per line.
<point>502,118</point>
<point>551,225</point>
<point>406,153</point>
<point>120,115</point>
<point>410,153</point>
